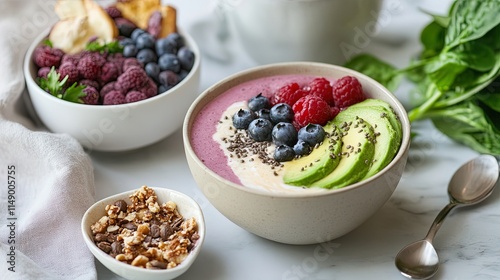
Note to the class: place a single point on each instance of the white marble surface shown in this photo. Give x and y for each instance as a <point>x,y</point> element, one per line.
<point>468,242</point>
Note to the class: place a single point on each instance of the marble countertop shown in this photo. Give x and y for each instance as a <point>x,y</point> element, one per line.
<point>467,242</point>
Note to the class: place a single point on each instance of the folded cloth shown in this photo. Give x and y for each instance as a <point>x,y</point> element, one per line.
<point>46,179</point>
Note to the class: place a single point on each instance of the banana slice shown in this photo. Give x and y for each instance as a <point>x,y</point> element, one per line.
<point>80,20</point>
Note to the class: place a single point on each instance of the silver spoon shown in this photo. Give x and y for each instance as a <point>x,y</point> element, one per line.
<point>472,183</point>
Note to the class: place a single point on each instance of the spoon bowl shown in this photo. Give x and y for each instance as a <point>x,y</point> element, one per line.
<point>472,183</point>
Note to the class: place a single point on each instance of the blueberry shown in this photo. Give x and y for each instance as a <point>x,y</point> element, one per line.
<point>168,78</point>
<point>165,45</point>
<point>126,41</point>
<point>259,102</point>
<point>169,62</point>
<point>301,148</point>
<point>129,51</point>
<point>243,118</point>
<point>263,114</point>
<point>284,134</point>
<point>136,33</point>
<point>125,29</point>
<point>163,88</point>
<point>284,153</point>
<point>146,56</point>
<point>177,39</point>
<point>186,57</point>
<point>260,130</point>
<point>281,112</point>
<point>183,74</point>
<point>145,41</point>
<point>153,70</point>
<point>312,134</point>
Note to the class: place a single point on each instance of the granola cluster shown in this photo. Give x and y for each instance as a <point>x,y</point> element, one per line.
<point>145,233</point>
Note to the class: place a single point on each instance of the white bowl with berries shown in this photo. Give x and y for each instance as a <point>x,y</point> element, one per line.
<point>123,85</point>
<point>297,152</point>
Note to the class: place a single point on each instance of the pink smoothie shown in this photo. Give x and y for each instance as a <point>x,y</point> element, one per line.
<point>204,126</point>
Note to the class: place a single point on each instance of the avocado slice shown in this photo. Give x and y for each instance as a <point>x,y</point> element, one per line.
<point>320,162</point>
<point>387,139</point>
<point>393,117</point>
<point>358,149</point>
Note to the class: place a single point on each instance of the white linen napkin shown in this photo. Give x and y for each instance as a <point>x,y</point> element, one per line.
<point>49,175</point>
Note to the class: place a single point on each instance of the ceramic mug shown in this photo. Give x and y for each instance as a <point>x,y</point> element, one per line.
<point>301,30</point>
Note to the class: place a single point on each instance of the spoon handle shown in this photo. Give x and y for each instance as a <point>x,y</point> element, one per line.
<point>438,221</point>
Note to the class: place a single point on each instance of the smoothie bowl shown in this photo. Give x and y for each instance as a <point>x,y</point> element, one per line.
<point>298,153</point>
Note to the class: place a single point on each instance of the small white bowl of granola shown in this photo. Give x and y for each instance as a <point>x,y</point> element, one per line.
<point>148,233</point>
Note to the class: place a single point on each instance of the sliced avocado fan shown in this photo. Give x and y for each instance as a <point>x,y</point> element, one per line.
<point>321,161</point>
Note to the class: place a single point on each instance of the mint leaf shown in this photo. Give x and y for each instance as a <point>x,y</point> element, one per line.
<point>47,42</point>
<point>51,84</point>
<point>111,47</point>
<point>74,93</point>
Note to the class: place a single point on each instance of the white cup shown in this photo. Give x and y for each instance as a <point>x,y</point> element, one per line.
<point>301,30</point>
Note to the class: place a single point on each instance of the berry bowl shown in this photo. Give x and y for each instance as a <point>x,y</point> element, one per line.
<point>115,127</point>
<point>164,258</point>
<point>308,198</point>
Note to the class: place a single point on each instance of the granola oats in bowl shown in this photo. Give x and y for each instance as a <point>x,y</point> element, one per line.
<point>148,233</point>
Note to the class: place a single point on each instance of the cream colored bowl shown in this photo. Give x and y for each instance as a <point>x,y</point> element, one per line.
<point>298,217</point>
<point>186,206</point>
<point>115,127</point>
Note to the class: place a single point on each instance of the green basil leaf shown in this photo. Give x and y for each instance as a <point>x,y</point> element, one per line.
<point>432,39</point>
<point>470,20</point>
<point>375,68</point>
<point>468,124</point>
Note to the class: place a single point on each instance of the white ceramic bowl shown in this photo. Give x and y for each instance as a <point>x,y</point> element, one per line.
<point>297,217</point>
<point>115,127</point>
<point>186,206</point>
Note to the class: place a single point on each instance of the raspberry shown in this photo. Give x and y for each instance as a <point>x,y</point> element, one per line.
<point>321,87</point>
<point>334,111</point>
<point>113,12</point>
<point>134,78</point>
<point>109,72</point>
<point>130,62</point>
<point>89,83</point>
<point>71,58</point>
<point>311,109</point>
<point>90,65</point>
<point>70,70</point>
<point>117,59</point>
<point>288,94</point>
<point>114,97</point>
<point>347,91</point>
<point>45,56</point>
<point>43,72</point>
<point>135,96</point>
<point>149,89</point>
<point>91,97</point>
<point>108,88</point>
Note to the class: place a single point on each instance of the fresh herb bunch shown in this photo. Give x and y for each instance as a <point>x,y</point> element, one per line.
<point>457,74</point>
<point>53,85</point>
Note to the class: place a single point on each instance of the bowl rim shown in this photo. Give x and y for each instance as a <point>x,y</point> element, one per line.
<point>405,141</point>
<point>28,61</point>
<point>185,264</point>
